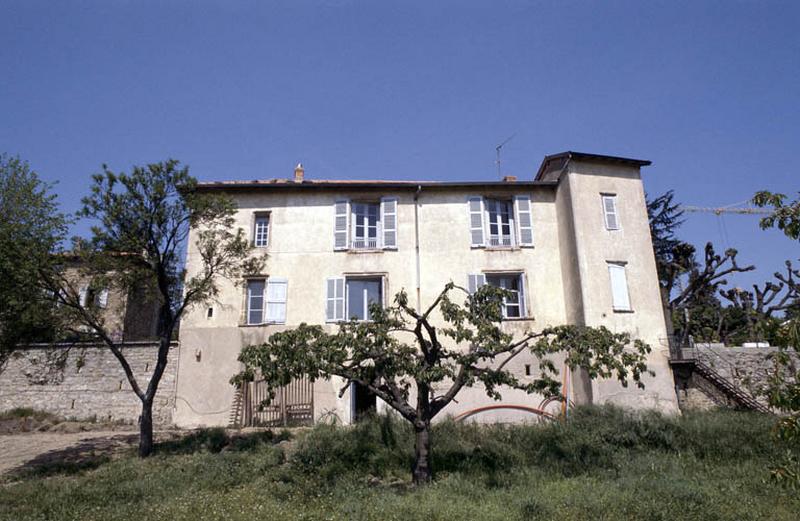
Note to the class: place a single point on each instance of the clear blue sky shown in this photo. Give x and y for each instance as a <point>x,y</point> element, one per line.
<point>707,90</point>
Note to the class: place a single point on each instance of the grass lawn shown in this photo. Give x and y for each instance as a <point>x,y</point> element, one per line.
<point>602,464</point>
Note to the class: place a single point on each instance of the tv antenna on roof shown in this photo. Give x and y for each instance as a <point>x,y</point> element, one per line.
<point>497,150</point>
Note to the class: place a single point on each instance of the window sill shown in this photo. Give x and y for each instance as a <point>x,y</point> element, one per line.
<point>519,319</point>
<point>263,324</point>
<point>365,250</point>
<point>502,248</point>
<point>623,311</point>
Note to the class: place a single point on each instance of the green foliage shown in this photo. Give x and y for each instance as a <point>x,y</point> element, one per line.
<point>785,214</point>
<point>31,229</point>
<point>376,354</point>
<point>141,226</point>
<point>401,350</point>
<point>609,464</point>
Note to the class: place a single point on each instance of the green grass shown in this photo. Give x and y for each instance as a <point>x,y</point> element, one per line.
<point>19,413</point>
<point>602,464</point>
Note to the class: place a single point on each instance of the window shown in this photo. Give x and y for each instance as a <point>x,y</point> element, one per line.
<point>361,294</point>
<point>365,225</point>
<point>610,211</point>
<point>261,230</point>
<point>255,301</point>
<point>500,222</point>
<point>350,298</point>
<point>499,216</point>
<point>266,301</point>
<point>514,303</point>
<point>366,217</point>
<point>620,297</point>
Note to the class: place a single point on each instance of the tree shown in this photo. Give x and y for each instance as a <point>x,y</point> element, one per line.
<point>31,230</point>
<point>418,367</point>
<point>139,239</point>
<point>784,386</point>
<point>688,288</point>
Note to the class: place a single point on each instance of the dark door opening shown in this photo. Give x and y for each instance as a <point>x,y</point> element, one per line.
<point>364,402</point>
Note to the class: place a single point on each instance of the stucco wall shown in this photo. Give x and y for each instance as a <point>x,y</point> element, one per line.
<point>567,280</point>
<point>631,244</point>
<point>85,381</point>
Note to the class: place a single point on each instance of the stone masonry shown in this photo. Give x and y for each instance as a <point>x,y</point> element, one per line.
<point>746,367</point>
<point>85,381</point>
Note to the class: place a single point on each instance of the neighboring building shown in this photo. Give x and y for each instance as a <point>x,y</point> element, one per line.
<point>573,244</point>
<point>78,377</point>
<point>128,316</point>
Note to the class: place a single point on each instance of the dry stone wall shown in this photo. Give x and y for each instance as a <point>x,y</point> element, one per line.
<point>85,381</point>
<point>747,367</point>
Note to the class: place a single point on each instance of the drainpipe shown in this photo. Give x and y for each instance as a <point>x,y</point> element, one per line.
<point>416,244</point>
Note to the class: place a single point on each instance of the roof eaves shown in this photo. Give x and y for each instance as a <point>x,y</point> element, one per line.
<point>583,156</point>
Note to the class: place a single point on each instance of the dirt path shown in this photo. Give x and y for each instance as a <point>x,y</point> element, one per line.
<point>33,449</point>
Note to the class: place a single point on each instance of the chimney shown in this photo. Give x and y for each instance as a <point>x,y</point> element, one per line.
<point>299,173</point>
<point>509,179</point>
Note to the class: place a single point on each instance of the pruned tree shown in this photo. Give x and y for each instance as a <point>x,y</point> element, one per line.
<point>139,240</point>
<point>688,287</point>
<point>417,361</point>
<point>31,231</point>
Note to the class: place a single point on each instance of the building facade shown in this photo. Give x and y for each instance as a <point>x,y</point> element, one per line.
<point>572,245</point>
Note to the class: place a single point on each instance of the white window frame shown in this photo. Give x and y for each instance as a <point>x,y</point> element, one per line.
<point>364,243</point>
<point>261,236</point>
<point>606,214</point>
<point>380,278</point>
<point>491,207</point>
<point>248,300</point>
<point>520,276</point>
<point>618,285</point>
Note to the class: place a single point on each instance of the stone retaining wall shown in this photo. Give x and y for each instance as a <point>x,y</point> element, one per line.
<point>746,367</point>
<point>86,381</point>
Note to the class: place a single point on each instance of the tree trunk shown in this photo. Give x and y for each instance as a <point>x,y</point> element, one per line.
<point>422,471</point>
<point>146,429</point>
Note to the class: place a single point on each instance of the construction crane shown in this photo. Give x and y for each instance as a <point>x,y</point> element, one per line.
<point>733,208</point>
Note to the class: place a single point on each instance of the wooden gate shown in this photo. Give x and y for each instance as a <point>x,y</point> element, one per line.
<point>293,404</point>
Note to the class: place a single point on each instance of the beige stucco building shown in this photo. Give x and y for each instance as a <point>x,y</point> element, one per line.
<point>573,243</point>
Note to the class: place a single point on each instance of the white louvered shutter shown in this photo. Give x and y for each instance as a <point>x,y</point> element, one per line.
<point>340,225</point>
<point>102,298</point>
<point>83,295</point>
<point>389,222</point>
<point>475,206</point>
<point>334,299</point>
<point>610,212</point>
<point>276,300</point>
<point>522,207</point>
<point>475,281</point>
<point>619,287</point>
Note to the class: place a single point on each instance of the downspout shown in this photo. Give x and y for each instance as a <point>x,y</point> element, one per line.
<point>416,244</point>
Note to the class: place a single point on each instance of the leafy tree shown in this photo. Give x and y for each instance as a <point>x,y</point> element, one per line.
<point>139,240</point>
<point>418,367</point>
<point>784,388</point>
<point>31,229</point>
